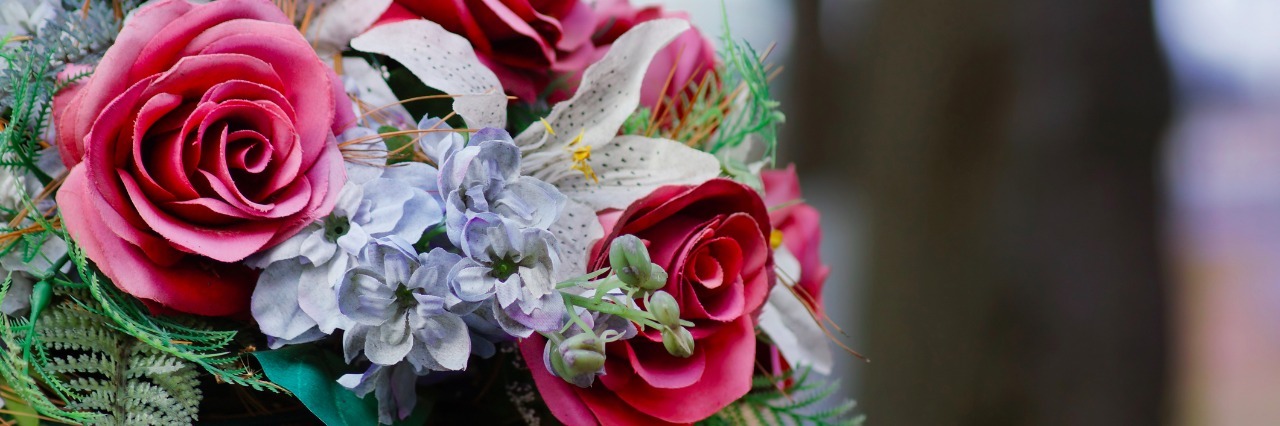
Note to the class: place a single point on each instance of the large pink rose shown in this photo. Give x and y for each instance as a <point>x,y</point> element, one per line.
<point>713,241</point>
<point>205,135</point>
<point>685,62</point>
<point>527,43</point>
<point>800,229</point>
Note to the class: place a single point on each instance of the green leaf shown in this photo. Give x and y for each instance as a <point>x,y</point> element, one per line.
<point>22,413</point>
<point>312,376</point>
<point>397,146</point>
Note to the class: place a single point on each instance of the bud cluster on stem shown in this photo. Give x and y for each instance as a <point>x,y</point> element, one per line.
<point>577,352</point>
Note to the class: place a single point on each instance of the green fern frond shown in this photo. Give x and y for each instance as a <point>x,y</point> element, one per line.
<point>201,346</point>
<point>112,374</point>
<point>772,401</point>
<point>15,370</point>
<point>81,370</point>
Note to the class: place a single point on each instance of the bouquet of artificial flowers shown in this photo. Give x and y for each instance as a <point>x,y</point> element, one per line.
<point>398,212</point>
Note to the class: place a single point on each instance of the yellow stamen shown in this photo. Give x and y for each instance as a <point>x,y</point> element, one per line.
<point>580,154</point>
<point>578,139</point>
<point>548,126</point>
<point>775,239</point>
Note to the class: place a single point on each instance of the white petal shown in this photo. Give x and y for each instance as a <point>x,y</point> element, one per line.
<point>608,94</point>
<point>388,198</point>
<point>288,249</point>
<point>311,335</point>
<point>318,297</point>
<point>353,341</point>
<point>366,83</point>
<point>793,329</point>
<point>454,346</point>
<point>340,21</point>
<point>417,175</point>
<point>630,167</point>
<point>422,212</point>
<point>508,291</point>
<point>315,248</point>
<point>444,61</point>
<point>473,283</point>
<point>577,230</point>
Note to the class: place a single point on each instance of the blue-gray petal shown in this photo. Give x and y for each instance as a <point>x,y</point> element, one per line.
<point>471,282</point>
<point>364,297</point>
<point>530,202</point>
<point>388,343</point>
<point>449,343</point>
<point>318,294</point>
<point>274,303</point>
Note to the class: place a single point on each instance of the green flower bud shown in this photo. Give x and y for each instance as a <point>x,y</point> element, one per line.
<point>578,356</point>
<point>664,308</point>
<point>557,365</point>
<point>41,294</point>
<point>657,278</point>
<point>583,341</point>
<point>678,341</point>
<point>583,362</point>
<point>630,260</point>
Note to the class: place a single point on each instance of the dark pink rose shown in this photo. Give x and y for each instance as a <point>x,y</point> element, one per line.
<point>685,62</point>
<point>527,43</point>
<point>713,241</point>
<point>205,135</point>
<point>800,229</point>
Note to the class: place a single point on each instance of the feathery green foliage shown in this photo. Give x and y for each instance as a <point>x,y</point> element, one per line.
<point>78,36</point>
<point>29,89</point>
<point>185,337</point>
<point>773,402</point>
<point>16,367</point>
<point>753,111</point>
<point>108,372</point>
<point>730,113</point>
<point>81,36</point>
<point>75,367</point>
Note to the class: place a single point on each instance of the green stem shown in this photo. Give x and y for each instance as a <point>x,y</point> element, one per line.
<point>576,282</point>
<point>611,308</point>
<point>57,266</point>
<point>575,319</point>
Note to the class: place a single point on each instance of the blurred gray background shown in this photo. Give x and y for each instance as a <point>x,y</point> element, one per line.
<point>1040,212</point>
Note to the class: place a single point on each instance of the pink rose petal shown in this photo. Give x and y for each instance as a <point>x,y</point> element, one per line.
<point>186,285</point>
<point>204,136</point>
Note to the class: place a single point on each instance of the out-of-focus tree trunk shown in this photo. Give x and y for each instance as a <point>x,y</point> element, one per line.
<point>1008,151</point>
